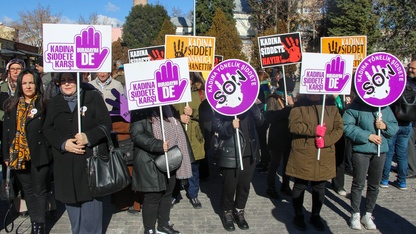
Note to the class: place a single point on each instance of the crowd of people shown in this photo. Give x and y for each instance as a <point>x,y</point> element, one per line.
<point>40,136</point>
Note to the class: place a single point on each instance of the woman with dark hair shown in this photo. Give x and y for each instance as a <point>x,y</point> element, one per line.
<point>25,148</point>
<point>71,149</point>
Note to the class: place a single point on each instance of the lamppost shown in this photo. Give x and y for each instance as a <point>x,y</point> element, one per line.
<point>194,18</point>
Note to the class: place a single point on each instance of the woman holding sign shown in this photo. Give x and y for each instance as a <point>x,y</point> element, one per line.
<point>362,122</point>
<point>309,135</point>
<point>146,133</point>
<point>236,182</point>
<point>71,149</point>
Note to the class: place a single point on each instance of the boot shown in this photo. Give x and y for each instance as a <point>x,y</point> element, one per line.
<point>41,228</point>
<point>34,228</point>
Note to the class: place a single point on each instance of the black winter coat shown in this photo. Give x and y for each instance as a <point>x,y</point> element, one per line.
<point>227,154</point>
<point>146,177</point>
<point>40,151</point>
<point>61,124</point>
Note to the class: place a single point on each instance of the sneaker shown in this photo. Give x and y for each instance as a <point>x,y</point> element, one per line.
<point>384,184</point>
<point>341,192</point>
<point>167,230</point>
<point>149,231</point>
<point>195,203</point>
<point>355,221</point>
<point>240,220</point>
<point>316,221</point>
<point>227,221</point>
<point>400,185</point>
<point>299,222</point>
<point>272,193</point>
<point>367,221</point>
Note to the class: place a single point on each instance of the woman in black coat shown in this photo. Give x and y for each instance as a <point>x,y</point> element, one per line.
<point>146,134</point>
<point>71,149</point>
<point>236,182</point>
<point>25,148</point>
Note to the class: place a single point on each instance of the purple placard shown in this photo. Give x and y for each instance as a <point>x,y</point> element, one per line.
<point>380,79</point>
<point>232,87</point>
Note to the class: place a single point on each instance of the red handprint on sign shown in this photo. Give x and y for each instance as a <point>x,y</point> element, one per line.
<point>292,47</point>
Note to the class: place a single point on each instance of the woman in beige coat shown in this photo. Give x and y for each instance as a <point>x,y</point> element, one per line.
<point>303,164</point>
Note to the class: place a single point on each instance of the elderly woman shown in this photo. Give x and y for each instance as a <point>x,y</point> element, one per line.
<point>71,149</point>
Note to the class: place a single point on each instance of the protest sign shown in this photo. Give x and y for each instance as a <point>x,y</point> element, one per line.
<point>326,73</point>
<point>218,59</point>
<point>76,48</point>
<point>232,87</point>
<point>380,79</point>
<point>199,50</point>
<point>354,45</point>
<point>157,83</point>
<point>146,54</point>
<point>280,49</point>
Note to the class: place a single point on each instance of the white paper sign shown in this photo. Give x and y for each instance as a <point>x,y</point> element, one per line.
<point>326,73</point>
<point>157,83</point>
<point>76,48</point>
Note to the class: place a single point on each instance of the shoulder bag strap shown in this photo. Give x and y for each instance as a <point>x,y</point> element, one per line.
<point>107,134</point>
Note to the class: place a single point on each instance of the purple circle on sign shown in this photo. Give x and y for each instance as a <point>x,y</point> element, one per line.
<point>380,79</point>
<point>232,87</point>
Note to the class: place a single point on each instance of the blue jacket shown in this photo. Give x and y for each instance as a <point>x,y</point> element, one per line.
<point>359,124</point>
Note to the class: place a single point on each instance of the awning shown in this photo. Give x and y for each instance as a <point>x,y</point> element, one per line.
<point>10,52</point>
<point>30,53</point>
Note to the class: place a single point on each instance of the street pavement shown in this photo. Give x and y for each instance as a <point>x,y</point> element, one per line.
<point>395,212</point>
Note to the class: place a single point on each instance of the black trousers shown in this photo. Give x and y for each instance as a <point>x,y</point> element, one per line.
<point>276,156</point>
<point>298,194</point>
<point>34,183</point>
<point>236,185</point>
<point>157,205</point>
<point>338,181</point>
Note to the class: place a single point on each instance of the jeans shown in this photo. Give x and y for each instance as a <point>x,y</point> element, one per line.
<point>368,166</point>
<point>411,152</point>
<point>398,145</point>
<point>86,217</point>
<point>192,187</point>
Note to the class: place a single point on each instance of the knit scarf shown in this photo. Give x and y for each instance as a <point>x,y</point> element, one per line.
<point>175,134</point>
<point>19,149</point>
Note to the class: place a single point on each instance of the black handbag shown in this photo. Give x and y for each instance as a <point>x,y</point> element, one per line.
<point>7,190</point>
<point>405,108</point>
<point>107,174</point>
<point>174,159</point>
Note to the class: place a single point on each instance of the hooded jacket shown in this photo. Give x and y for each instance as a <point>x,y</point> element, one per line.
<point>303,160</point>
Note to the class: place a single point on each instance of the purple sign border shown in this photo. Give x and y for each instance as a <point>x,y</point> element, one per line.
<point>374,64</point>
<point>231,69</point>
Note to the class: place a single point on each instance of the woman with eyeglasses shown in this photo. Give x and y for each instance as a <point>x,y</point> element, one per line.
<point>71,149</point>
<point>25,148</point>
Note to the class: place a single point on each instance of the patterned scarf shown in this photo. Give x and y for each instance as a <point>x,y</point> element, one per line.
<point>176,136</point>
<point>19,149</point>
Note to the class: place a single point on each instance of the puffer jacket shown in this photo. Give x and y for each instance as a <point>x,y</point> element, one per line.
<point>303,160</point>
<point>359,124</point>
